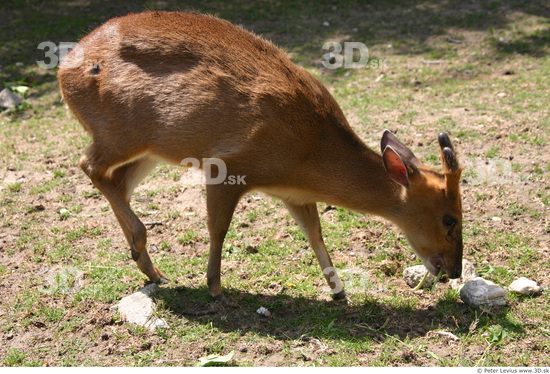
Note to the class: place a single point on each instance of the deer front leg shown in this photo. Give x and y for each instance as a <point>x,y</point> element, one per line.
<point>307,218</point>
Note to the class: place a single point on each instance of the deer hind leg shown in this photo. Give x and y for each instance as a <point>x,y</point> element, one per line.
<point>117,187</point>
<point>221,201</point>
<point>307,218</point>
<point>127,177</point>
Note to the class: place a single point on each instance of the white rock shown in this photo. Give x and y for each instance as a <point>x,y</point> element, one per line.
<point>443,333</point>
<point>413,275</point>
<point>469,271</point>
<point>481,292</point>
<point>138,308</point>
<point>263,312</point>
<point>8,99</point>
<point>524,286</point>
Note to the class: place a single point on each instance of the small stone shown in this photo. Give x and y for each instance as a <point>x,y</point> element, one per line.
<point>524,286</point>
<point>413,275</point>
<point>104,337</point>
<point>482,292</point>
<point>8,99</point>
<point>138,308</point>
<point>469,271</point>
<point>263,312</point>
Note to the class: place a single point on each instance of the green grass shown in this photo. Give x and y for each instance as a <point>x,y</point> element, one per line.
<point>188,237</point>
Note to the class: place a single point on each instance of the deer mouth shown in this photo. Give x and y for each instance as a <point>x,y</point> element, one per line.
<point>436,265</point>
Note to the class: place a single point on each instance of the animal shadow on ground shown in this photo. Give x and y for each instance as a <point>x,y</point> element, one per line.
<point>293,317</point>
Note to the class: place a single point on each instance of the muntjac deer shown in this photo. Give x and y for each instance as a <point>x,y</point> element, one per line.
<point>168,86</point>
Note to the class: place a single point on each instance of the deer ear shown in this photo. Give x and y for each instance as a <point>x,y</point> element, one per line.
<point>401,164</point>
<point>395,166</point>
<point>406,155</point>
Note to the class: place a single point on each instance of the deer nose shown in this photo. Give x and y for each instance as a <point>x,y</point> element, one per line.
<point>456,272</point>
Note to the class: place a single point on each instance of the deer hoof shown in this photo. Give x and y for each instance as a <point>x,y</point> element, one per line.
<point>221,298</point>
<point>339,296</point>
<point>163,280</point>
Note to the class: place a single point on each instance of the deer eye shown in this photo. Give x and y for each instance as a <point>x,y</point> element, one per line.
<point>449,221</point>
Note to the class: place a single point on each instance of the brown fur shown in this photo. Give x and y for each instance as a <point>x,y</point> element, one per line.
<point>164,86</point>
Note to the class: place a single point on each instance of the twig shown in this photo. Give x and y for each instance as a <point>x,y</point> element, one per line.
<point>453,40</point>
<point>92,214</point>
<point>433,62</point>
<point>172,360</point>
<point>446,334</point>
<point>366,326</point>
<point>200,312</point>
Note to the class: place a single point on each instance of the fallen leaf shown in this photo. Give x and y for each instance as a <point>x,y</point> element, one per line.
<point>213,360</point>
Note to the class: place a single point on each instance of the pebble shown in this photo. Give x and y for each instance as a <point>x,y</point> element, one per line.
<point>263,312</point>
<point>482,292</point>
<point>8,99</point>
<point>139,308</point>
<point>413,275</point>
<point>524,286</point>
